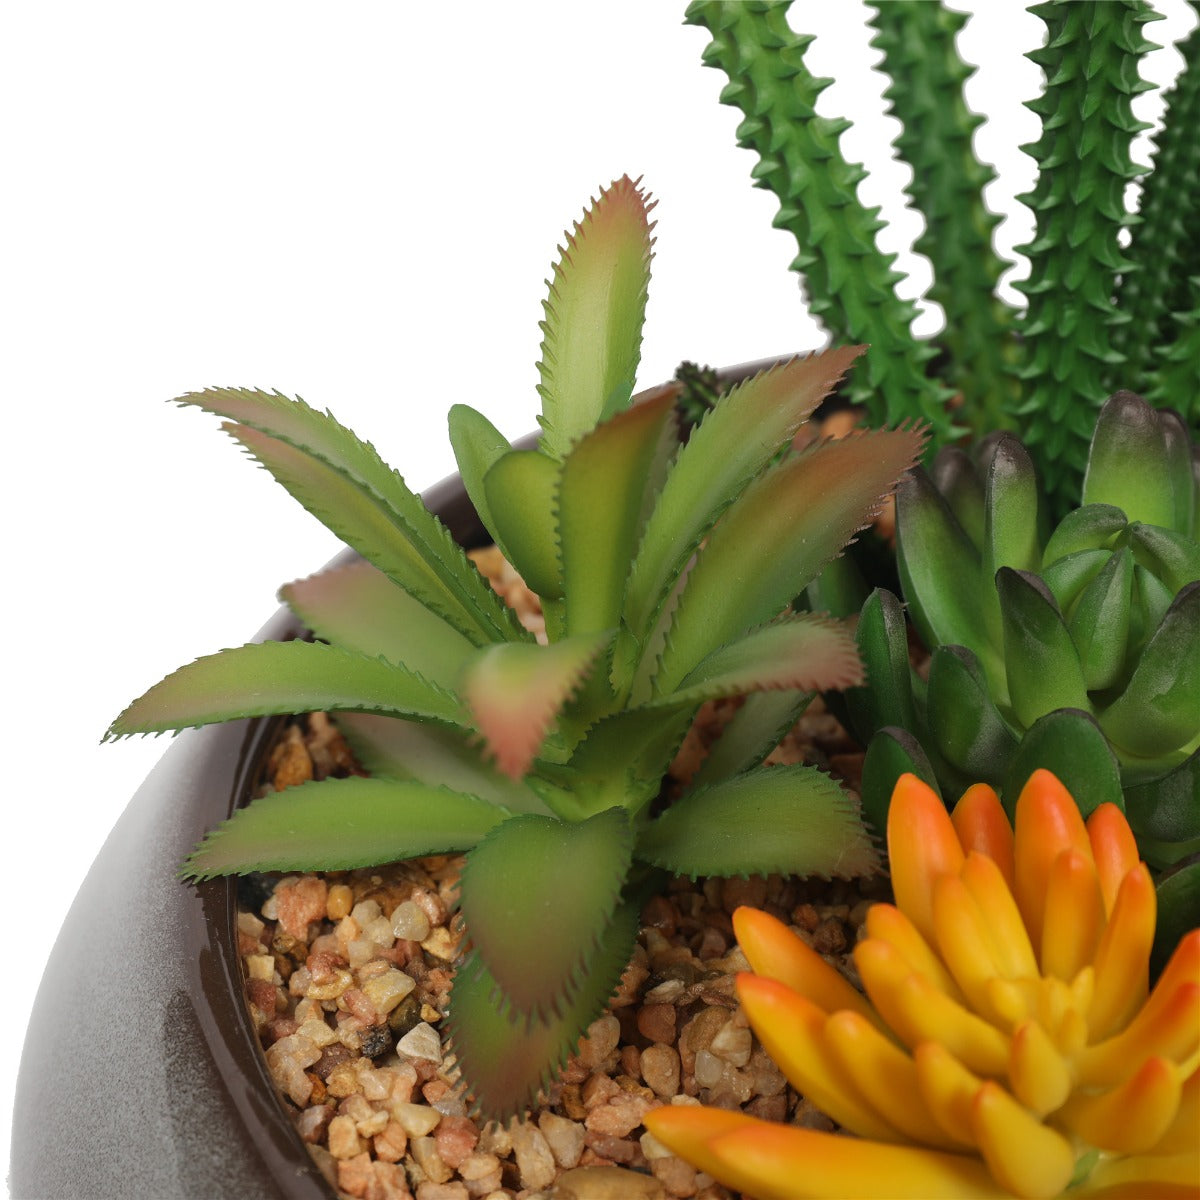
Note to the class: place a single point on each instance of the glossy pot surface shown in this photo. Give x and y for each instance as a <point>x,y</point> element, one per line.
<point>141,1073</point>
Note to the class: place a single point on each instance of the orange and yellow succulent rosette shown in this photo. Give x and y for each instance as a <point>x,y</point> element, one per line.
<point>1008,1043</point>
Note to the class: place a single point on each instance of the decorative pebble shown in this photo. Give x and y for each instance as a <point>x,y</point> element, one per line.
<point>410,922</point>
<point>421,1041</point>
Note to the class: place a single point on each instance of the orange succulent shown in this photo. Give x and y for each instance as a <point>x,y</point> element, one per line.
<point>1008,1043</point>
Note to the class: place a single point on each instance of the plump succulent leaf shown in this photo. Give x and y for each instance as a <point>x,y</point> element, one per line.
<point>1042,669</point>
<point>964,723</point>
<point>433,754</point>
<point>505,1057</point>
<point>1165,813</point>
<point>1139,463</point>
<point>377,821</point>
<point>792,819</point>
<point>537,896</point>
<point>1157,712</point>
<point>1089,527</point>
<point>882,639</point>
<point>1169,556</point>
<point>279,678</point>
<point>734,443</point>
<point>931,546</point>
<point>520,490</point>
<point>753,732</point>
<point>891,752</point>
<point>1178,914</point>
<point>601,499</point>
<point>478,445</point>
<point>515,691</point>
<point>831,491</point>
<point>593,317</point>
<point>359,608</point>
<point>1099,622</point>
<point>345,484</point>
<point>1068,743</point>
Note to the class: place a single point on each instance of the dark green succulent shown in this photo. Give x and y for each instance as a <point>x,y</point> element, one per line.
<point>1101,315</point>
<point>666,573</point>
<point>1077,649</point>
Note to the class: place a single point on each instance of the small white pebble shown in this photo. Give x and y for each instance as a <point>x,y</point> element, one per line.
<point>421,1041</point>
<point>410,922</point>
<point>364,912</point>
<point>317,1032</point>
<point>417,1120</point>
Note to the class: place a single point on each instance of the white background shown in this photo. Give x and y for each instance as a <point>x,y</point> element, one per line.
<point>357,203</point>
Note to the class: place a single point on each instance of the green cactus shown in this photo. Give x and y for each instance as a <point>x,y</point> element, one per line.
<point>1098,317</point>
<point>851,283</point>
<point>926,95</point>
<point>1067,361</point>
<point>1165,248</point>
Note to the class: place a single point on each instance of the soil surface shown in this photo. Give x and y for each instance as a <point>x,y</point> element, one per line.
<point>348,977</point>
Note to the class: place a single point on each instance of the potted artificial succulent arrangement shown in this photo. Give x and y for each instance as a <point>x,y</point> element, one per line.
<point>590,714</point>
<point>1009,1042</point>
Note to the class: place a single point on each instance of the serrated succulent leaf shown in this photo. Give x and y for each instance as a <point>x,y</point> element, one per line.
<point>593,317</point>
<point>1041,664</point>
<point>1099,622</point>
<point>963,721</point>
<point>277,678</point>
<point>359,608</point>
<point>361,499</point>
<point>1069,743</point>
<point>520,489</point>
<point>882,638</point>
<point>516,691</point>
<point>537,896</point>
<point>477,446</point>
<point>790,819</point>
<point>936,560</point>
<point>1132,464</point>
<point>773,540</point>
<point>1091,527</point>
<point>1172,557</point>
<point>753,732</point>
<point>601,499</point>
<point>337,824</point>
<point>1158,713</point>
<point>432,754</point>
<point>891,752</point>
<point>734,443</point>
<point>800,651</point>
<point>505,1059</point>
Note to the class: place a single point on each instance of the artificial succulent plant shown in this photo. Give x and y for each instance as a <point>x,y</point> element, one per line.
<point>666,573</point>
<point>1101,315</point>
<point>1008,1044</point>
<point>1076,649</point>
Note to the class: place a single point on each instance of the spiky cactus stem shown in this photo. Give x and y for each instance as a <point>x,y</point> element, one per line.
<point>926,96</point>
<point>850,282</point>
<point>1165,251</point>
<point>1178,378</point>
<point>1068,360</point>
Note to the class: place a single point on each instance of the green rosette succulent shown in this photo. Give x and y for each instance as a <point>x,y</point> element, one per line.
<point>1075,649</point>
<point>666,571</point>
